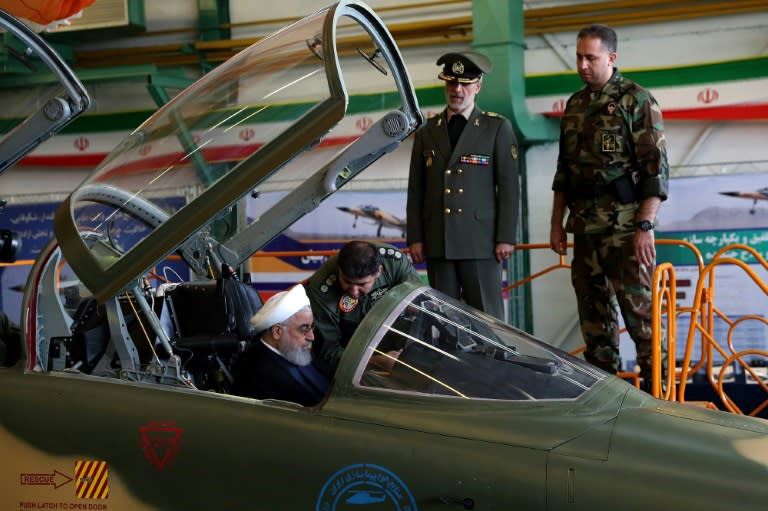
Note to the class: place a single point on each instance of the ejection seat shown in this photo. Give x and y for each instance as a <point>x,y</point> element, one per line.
<point>210,326</point>
<point>207,323</point>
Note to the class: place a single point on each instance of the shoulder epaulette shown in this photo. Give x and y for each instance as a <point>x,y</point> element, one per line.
<point>436,118</point>
<point>491,114</point>
<point>390,252</point>
<point>325,286</point>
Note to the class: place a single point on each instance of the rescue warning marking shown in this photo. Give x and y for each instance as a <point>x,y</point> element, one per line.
<point>55,479</point>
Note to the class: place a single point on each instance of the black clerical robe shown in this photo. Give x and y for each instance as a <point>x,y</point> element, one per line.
<point>263,374</point>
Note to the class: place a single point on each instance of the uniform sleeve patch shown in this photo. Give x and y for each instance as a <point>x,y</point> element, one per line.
<point>348,303</point>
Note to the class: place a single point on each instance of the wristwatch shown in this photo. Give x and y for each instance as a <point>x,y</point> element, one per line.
<point>644,225</point>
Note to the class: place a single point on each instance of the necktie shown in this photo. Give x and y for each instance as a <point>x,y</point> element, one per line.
<point>455,127</point>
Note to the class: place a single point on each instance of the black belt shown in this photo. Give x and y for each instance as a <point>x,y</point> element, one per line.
<point>622,187</point>
<point>589,190</point>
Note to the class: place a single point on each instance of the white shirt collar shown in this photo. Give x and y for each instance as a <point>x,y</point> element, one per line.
<point>271,347</point>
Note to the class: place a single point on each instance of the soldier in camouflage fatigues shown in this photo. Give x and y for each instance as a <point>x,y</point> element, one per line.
<point>612,175</point>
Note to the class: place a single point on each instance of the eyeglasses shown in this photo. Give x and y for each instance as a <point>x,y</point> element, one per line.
<point>303,329</point>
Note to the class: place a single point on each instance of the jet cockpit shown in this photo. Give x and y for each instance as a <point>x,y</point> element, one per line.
<point>267,115</point>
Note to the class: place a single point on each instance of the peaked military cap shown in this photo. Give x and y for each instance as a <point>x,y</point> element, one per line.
<point>463,67</point>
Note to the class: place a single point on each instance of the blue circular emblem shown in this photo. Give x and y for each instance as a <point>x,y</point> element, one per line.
<point>365,485</point>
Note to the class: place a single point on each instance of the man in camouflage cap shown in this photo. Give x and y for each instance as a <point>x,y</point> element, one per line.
<point>463,190</point>
<point>612,175</point>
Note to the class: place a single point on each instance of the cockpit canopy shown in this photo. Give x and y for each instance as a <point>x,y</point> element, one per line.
<point>433,345</point>
<point>267,115</point>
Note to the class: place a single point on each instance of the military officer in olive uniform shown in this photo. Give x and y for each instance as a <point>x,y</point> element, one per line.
<point>463,190</point>
<point>612,175</point>
<point>346,286</point>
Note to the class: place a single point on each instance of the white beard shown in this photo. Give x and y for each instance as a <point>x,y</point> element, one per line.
<point>300,356</point>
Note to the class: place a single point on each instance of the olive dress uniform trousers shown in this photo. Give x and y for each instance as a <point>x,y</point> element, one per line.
<point>604,273</point>
<point>476,281</point>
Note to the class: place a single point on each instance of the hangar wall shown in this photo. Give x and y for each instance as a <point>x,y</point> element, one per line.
<point>696,146</point>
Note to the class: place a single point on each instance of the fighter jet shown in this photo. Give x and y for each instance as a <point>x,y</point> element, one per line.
<point>381,217</point>
<point>127,403</point>
<point>761,194</point>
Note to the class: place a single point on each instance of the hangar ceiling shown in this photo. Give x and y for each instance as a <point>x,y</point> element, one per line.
<point>413,24</point>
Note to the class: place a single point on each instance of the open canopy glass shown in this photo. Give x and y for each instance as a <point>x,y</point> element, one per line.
<point>268,114</point>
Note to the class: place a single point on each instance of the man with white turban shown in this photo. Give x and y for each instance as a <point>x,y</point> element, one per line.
<point>279,363</point>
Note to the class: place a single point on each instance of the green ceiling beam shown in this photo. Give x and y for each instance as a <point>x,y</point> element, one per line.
<point>498,30</point>
<point>159,84</point>
<point>214,14</point>
<point>105,74</point>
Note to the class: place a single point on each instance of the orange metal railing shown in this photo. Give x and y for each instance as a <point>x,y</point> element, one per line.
<point>668,380</point>
<point>702,322</point>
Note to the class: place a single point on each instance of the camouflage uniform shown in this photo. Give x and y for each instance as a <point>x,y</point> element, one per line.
<point>337,314</point>
<point>612,156</point>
